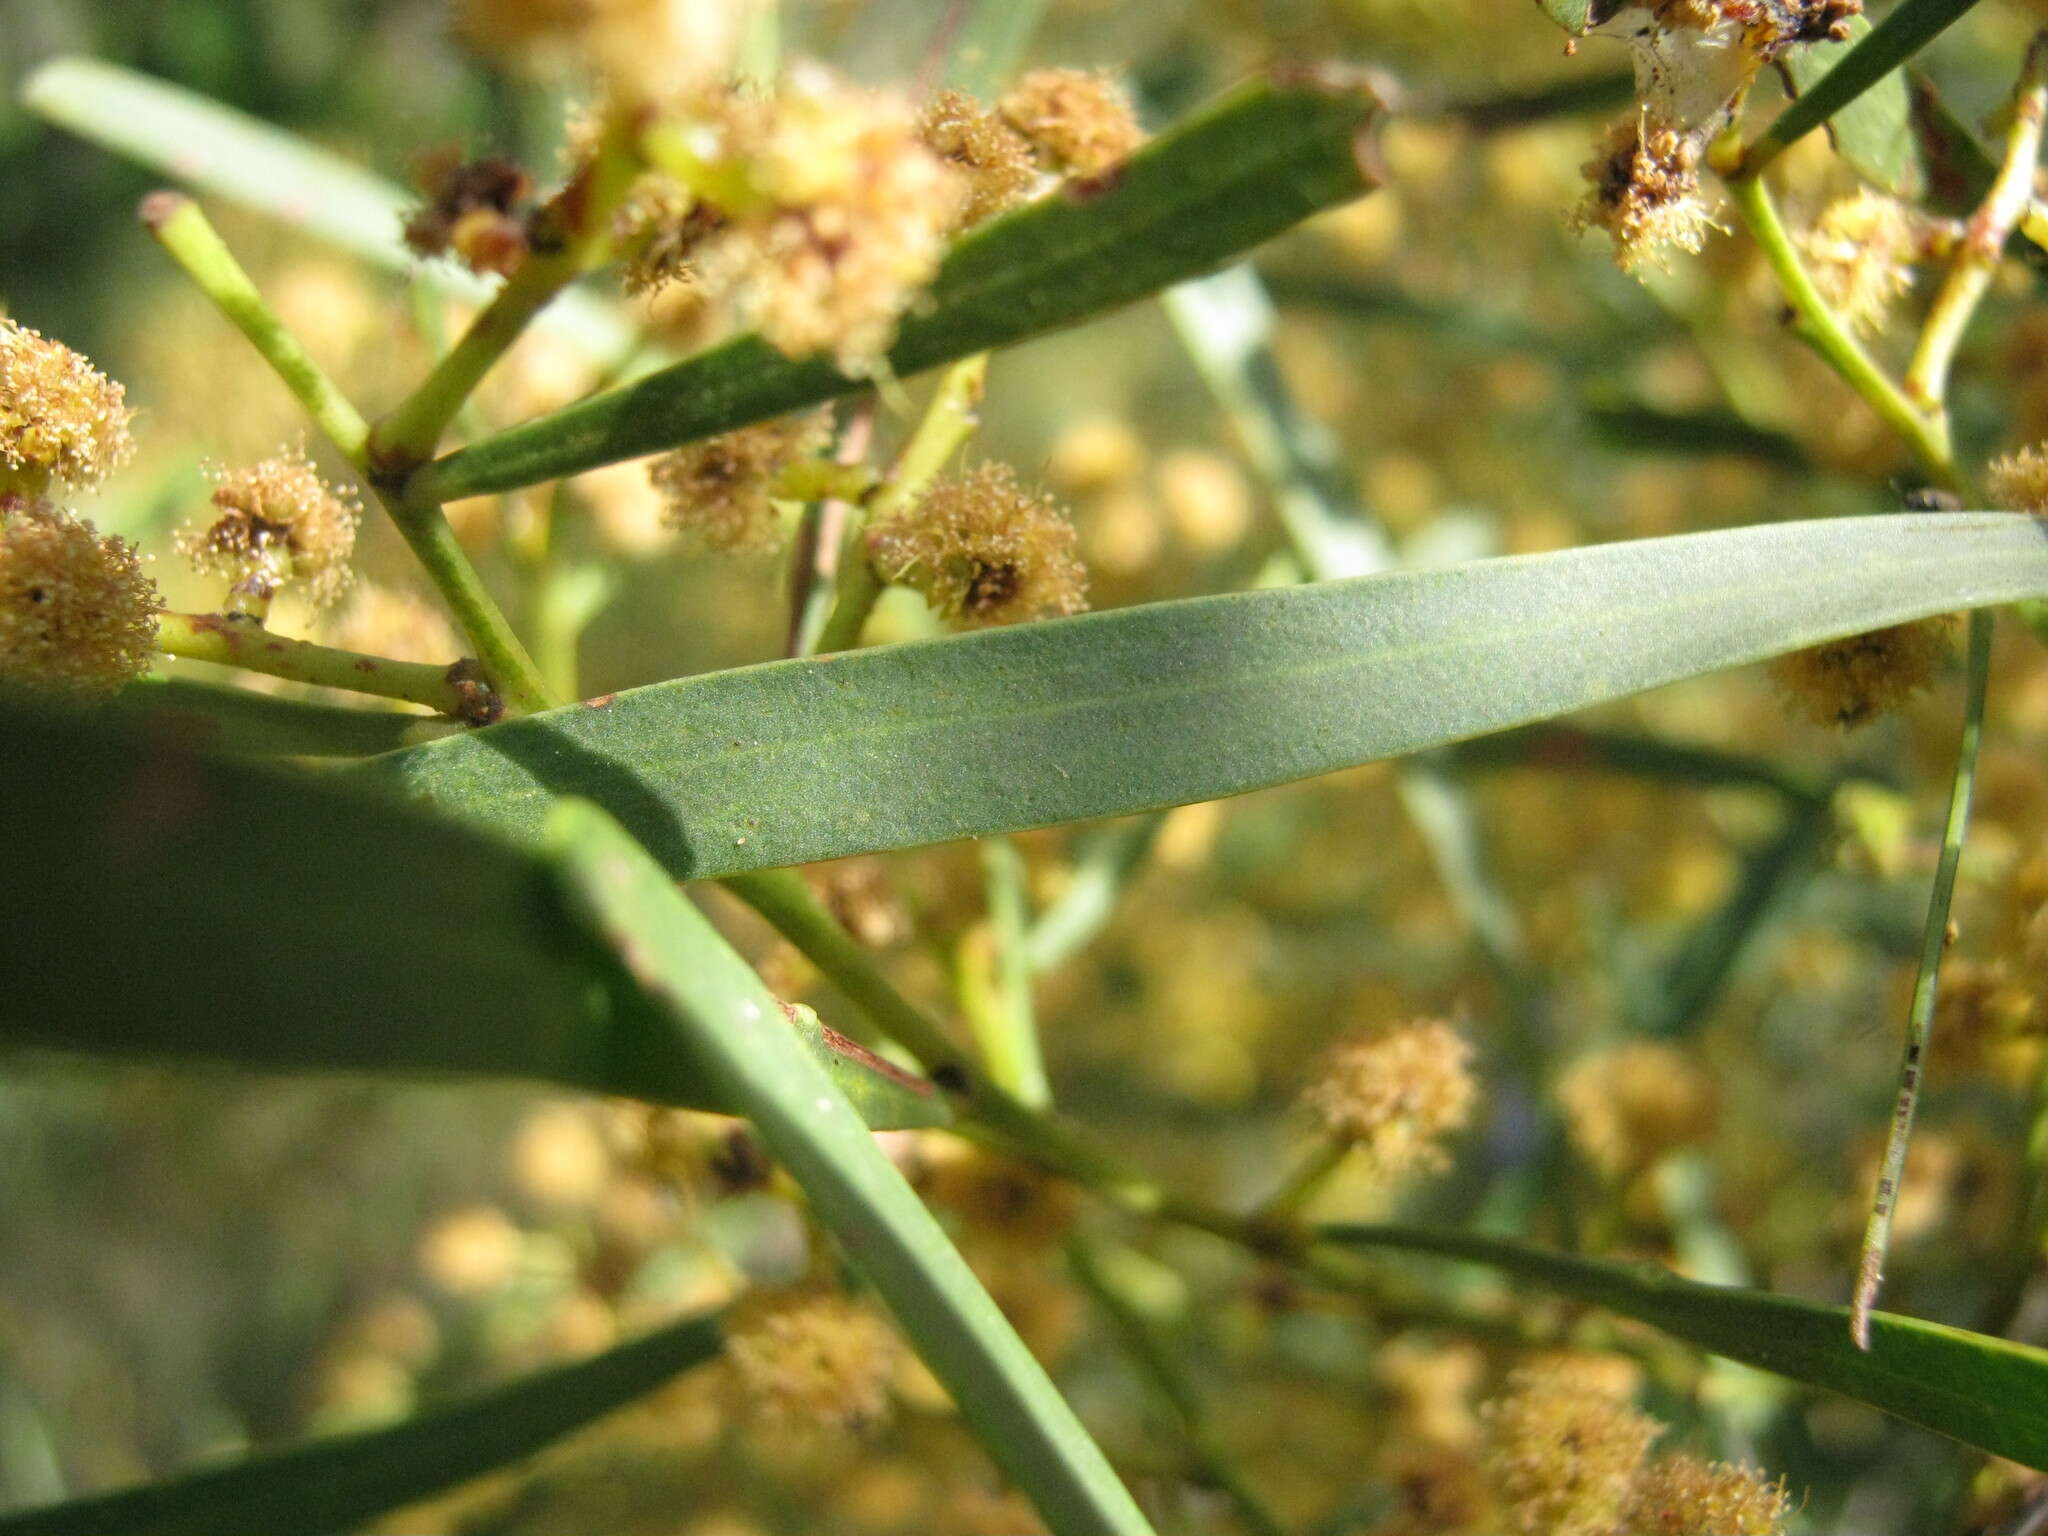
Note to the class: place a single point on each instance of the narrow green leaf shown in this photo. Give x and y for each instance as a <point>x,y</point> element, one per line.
<point>224,153</point>
<point>333,1485</point>
<point>173,906</point>
<point>1573,15</point>
<point>1985,1392</point>
<point>1114,713</point>
<point>210,718</point>
<point>1960,166</point>
<point>1252,166</point>
<point>1857,67</point>
<point>717,1006</point>
<point>1874,132</point>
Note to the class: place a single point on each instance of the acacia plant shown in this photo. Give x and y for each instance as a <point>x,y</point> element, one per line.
<point>793,287</point>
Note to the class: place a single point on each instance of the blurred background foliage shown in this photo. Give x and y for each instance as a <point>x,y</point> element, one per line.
<point>191,1263</point>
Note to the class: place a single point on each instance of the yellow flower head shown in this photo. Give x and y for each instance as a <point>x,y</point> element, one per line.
<point>1564,1459</point>
<point>1397,1090</point>
<point>60,419</point>
<point>279,523</point>
<point>842,224</point>
<point>812,1357</point>
<point>983,550</point>
<point>1080,121</point>
<point>77,611</point>
<point>719,492</point>
<point>994,157</point>
<point>1851,682</point>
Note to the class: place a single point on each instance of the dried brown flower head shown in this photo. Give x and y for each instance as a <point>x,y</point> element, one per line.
<point>1627,1107</point>
<point>1079,120</point>
<point>1680,1495</point>
<point>843,223</point>
<point>60,418</point>
<point>994,157</point>
<point>719,492</point>
<point>983,550</point>
<point>1851,682</point>
<point>77,611</point>
<point>279,524</point>
<point>2019,481</point>
<point>1564,1460</point>
<point>1396,1090</point>
<point>1860,252</point>
<point>476,210</point>
<point>812,1357</point>
<point>1646,193</point>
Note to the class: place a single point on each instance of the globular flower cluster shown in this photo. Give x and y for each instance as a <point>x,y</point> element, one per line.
<point>817,215</point>
<point>279,524</point>
<point>719,492</point>
<point>1627,1107</point>
<point>1851,682</point>
<point>843,223</point>
<point>1565,1456</point>
<point>813,1357</point>
<point>77,610</point>
<point>1080,121</point>
<point>983,550</point>
<point>1860,253</point>
<point>61,420</point>
<point>2019,481</point>
<point>1395,1091</point>
<point>995,159</point>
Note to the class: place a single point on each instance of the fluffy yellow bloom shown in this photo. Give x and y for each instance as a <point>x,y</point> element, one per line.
<point>1080,121</point>
<point>60,419</point>
<point>77,611</point>
<point>279,524</point>
<point>983,550</point>
<point>813,1357</point>
<point>1396,1091</point>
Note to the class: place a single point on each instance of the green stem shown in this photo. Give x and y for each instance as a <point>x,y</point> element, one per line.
<point>1920,1022</point>
<point>1155,1361</point>
<point>948,421</point>
<point>1983,245</point>
<point>182,229</point>
<point>1106,863</point>
<point>504,659</point>
<point>238,640</point>
<point>1010,1044</point>
<point>1309,1175</point>
<point>1826,334</point>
